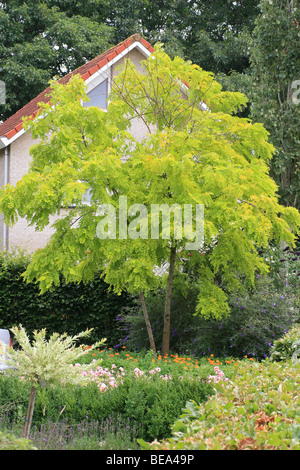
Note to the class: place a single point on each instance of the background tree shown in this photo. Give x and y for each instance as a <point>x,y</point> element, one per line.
<point>39,42</point>
<point>190,155</point>
<point>41,39</point>
<point>275,66</point>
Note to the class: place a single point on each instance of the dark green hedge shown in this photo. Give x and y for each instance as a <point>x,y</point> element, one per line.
<point>153,404</point>
<point>69,308</point>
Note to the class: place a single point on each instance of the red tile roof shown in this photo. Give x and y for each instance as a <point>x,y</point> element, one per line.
<point>14,123</point>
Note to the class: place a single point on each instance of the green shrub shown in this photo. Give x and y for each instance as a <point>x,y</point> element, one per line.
<point>184,324</point>
<point>14,395</point>
<point>258,410</point>
<point>258,316</point>
<point>285,347</point>
<point>68,308</point>
<point>10,442</point>
<point>156,403</point>
<point>81,401</point>
<point>153,403</point>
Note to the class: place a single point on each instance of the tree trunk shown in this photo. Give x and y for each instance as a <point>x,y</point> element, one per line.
<point>147,321</point>
<point>28,420</point>
<point>167,317</point>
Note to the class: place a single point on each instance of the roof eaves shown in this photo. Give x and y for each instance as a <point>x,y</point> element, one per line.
<point>31,108</point>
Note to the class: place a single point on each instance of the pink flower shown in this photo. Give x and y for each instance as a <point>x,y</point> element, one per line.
<point>103,387</point>
<point>138,372</point>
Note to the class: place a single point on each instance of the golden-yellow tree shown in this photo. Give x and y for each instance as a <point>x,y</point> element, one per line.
<point>196,152</point>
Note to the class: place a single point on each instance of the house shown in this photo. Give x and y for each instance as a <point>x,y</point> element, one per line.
<point>15,143</point>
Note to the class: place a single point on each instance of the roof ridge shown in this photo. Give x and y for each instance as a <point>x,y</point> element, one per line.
<point>14,123</point>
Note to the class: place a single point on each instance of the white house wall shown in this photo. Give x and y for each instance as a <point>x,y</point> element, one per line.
<point>21,235</point>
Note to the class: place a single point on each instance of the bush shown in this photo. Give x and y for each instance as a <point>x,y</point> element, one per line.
<point>184,324</point>
<point>258,316</point>
<point>257,319</point>
<point>156,403</point>
<point>151,402</point>
<point>68,308</point>
<point>258,410</point>
<point>14,395</point>
<point>11,442</point>
<point>285,347</point>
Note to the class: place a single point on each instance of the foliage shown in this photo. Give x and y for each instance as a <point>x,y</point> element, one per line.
<point>69,308</point>
<point>43,39</point>
<point>10,442</point>
<point>263,314</point>
<point>257,410</point>
<point>258,316</point>
<point>44,363</point>
<point>257,319</point>
<point>149,395</point>
<point>185,326</point>
<point>47,362</point>
<point>156,403</point>
<point>284,348</point>
<point>275,65</point>
<point>195,156</point>
<point>39,42</point>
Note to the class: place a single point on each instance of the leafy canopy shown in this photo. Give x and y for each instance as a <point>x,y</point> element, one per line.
<point>191,153</point>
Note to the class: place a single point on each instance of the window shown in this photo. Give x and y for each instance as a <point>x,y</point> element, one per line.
<point>98,96</point>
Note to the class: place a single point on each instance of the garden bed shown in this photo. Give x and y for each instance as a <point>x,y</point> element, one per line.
<point>135,401</point>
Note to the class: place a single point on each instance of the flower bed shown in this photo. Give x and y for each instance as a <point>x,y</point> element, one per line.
<point>112,374</point>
